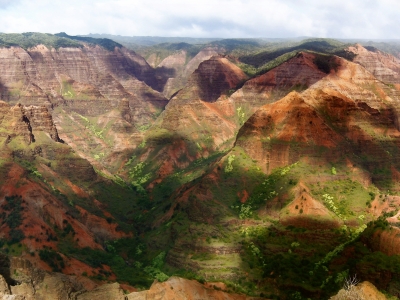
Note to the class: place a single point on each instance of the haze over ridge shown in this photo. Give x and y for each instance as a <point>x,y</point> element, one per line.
<point>221,18</point>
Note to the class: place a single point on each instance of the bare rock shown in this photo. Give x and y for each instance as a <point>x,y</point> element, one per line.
<point>4,289</point>
<point>176,288</point>
<point>363,291</point>
<point>104,292</point>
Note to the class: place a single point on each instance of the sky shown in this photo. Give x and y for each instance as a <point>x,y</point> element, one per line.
<point>362,19</point>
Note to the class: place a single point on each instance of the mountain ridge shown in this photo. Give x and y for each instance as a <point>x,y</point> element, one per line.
<point>253,181</point>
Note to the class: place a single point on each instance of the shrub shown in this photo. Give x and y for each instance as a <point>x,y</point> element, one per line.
<point>14,218</point>
<point>53,259</point>
<point>16,235</point>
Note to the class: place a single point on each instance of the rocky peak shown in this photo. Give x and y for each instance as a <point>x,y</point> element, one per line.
<point>290,119</point>
<point>25,120</point>
<point>382,65</point>
<point>41,120</point>
<point>324,118</point>
<point>212,78</point>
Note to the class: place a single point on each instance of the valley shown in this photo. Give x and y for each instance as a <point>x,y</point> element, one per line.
<point>208,169</point>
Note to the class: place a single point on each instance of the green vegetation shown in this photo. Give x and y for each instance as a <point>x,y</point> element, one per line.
<point>53,259</point>
<point>32,39</point>
<point>91,127</point>
<point>154,269</point>
<point>326,63</point>
<point>277,183</point>
<point>14,207</point>
<point>140,270</point>
<point>327,46</point>
<point>107,44</point>
<point>229,167</point>
<point>241,115</point>
<point>61,40</point>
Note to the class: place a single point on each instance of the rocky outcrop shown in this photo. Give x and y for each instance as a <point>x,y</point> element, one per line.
<point>104,292</point>
<point>25,121</point>
<point>362,291</point>
<point>41,120</point>
<point>15,123</point>
<point>176,288</point>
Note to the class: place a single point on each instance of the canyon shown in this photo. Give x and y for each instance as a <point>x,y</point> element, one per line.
<point>189,175</point>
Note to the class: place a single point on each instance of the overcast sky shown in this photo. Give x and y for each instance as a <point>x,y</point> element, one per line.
<point>367,19</point>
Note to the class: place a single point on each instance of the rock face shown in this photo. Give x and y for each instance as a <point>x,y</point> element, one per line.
<point>345,96</point>
<point>24,121</point>
<point>89,79</point>
<point>383,66</point>
<point>104,292</point>
<point>201,109</point>
<point>176,288</point>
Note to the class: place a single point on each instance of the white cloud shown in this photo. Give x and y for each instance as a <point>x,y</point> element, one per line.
<point>206,18</point>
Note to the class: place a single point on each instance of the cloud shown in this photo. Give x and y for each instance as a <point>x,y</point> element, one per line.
<point>207,18</point>
<point>5,3</point>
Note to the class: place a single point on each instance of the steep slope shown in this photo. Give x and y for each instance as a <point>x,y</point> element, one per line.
<point>207,117</point>
<point>100,97</point>
<point>196,120</point>
<point>383,66</point>
<point>50,77</point>
<point>54,204</point>
<point>297,73</point>
<point>182,68</point>
<point>303,171</point>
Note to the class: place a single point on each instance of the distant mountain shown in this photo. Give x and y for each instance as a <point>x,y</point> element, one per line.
<point>151,40</point>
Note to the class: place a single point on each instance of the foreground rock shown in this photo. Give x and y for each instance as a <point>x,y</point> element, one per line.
<point>20,280</point>
<point>176,288</point>
<point>363,291</point>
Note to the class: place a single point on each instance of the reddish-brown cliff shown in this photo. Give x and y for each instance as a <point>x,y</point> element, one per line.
<point>383,66</point>
<point>91,79</point>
